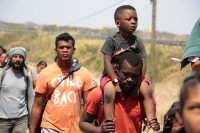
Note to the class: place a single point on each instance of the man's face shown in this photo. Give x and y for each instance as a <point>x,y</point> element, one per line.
<point>128,75</point>
<point>39,68</point>
<point>65,50</point>
<point>3,58</point>
<point>127,21</point>
<point>17,61</point>
<point>191,111</point>
<point>1,50</point>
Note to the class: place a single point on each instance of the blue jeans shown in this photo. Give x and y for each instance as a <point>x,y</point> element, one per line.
<point>15,125</point>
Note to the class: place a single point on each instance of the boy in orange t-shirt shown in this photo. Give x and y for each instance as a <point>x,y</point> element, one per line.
<point>62,112</point>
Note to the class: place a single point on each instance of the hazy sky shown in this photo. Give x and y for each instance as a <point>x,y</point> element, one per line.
<point>175,16</point>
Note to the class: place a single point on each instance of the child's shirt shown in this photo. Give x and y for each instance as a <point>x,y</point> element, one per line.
<point>193,59</point>
<point>115,42</point>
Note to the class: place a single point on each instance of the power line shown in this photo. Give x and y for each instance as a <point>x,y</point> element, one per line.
<point>95,13</point>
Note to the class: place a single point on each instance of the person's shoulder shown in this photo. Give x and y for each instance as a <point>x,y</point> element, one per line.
<point>83,72</point>
<point>137,38</point>
<point>93,99</point>
<point>114,35</point>
<point>32,67</point>
<point>49,67</point>
<point>96,93</point>
<point>83,69</point>
<point>33,70</point>
<point>3,71</point>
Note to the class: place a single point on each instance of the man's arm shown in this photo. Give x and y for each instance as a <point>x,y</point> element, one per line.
<point>148,100</point>
<point>85,95</point>
<point>36,111</point>
<point>30,96</point>
<point>85,123</point>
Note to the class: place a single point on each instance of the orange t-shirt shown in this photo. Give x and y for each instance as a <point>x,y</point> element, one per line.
<point>128,112</point>
<point>62,111</point>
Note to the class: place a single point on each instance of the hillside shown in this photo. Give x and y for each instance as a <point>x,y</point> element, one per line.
<point>40,46</point>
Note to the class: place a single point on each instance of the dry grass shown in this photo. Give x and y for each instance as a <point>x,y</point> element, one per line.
<point>167,91</point>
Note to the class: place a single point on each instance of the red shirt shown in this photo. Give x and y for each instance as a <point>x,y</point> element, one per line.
<point>128,112</point>
<point>107,79</point>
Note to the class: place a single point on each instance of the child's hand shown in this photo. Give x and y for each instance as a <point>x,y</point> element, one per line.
<point>153,123</point>
<point>117,52</point>
<point>117,87</point>
<point>132,47</point>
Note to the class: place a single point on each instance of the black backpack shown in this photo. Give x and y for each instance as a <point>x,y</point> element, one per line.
<point>169,118</point>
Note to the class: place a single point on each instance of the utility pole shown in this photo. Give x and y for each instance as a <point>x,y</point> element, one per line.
<point>153,41</point>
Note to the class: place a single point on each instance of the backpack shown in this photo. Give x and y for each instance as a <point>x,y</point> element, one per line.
<point>74,68</point>
<point>169,118</point>
<point>100,113</point>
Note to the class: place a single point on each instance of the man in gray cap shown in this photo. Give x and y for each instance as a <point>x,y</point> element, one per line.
<point>16,93</point>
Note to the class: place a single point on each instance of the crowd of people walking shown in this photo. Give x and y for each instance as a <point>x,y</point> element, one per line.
<point>48,99</point>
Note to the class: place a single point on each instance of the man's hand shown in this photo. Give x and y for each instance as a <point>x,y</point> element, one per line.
<point>153,123</point>
<point>108,126</point>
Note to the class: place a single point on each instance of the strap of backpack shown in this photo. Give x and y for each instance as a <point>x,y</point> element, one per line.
<point>74,68</point>
<point>2,76</point>
<point>101,109</point>
<point>100,112</point>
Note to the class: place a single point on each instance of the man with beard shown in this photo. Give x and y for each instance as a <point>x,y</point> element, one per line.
<point>16,93</point>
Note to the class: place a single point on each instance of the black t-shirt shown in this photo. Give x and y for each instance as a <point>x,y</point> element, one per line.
<point>115,42</point>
